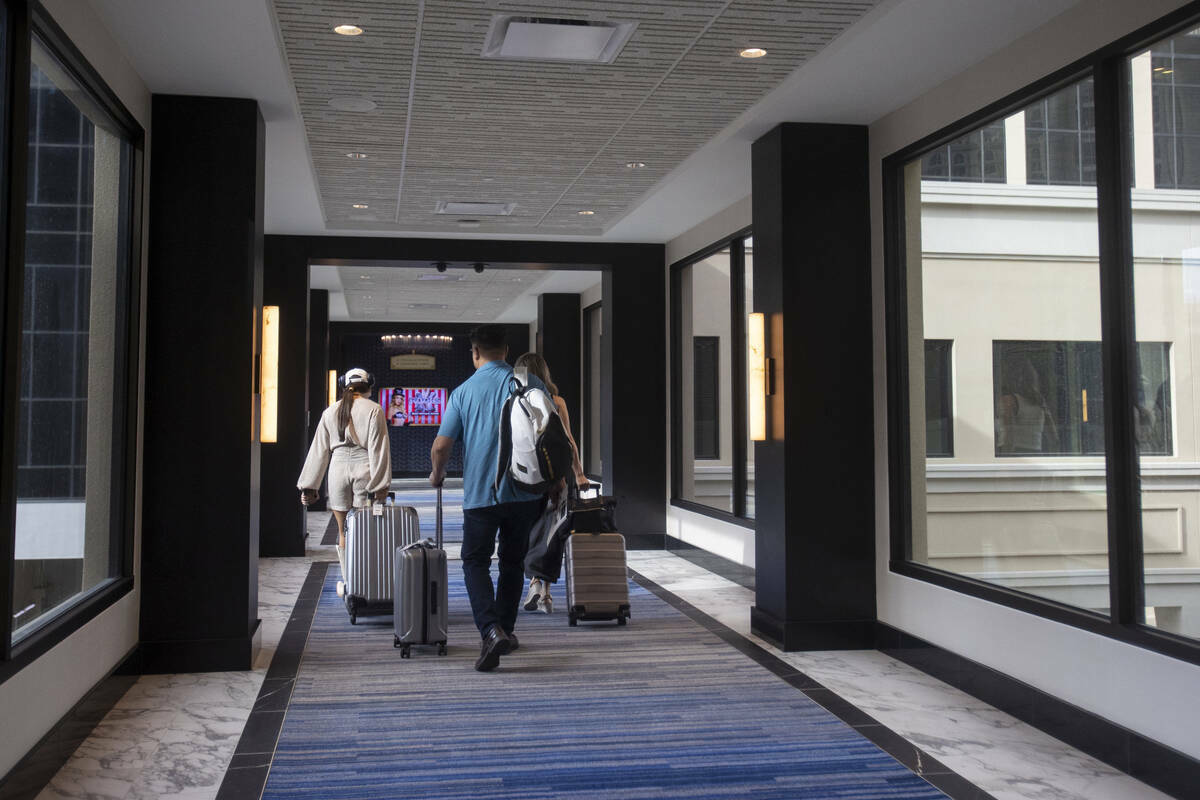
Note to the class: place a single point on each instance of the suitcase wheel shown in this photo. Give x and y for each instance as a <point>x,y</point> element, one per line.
<point>441,648</point>
<point>621,620</point>
<point>353,618</point>
<point>572,620</point>
<point>395,641</point>
<point>406,652</point>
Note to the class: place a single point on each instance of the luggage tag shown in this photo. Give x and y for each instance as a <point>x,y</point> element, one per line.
<point>377,509</point>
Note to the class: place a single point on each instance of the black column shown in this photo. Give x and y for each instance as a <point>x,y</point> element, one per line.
<point>633,370</point>
<point>559,343</point>
<point>318,366</point>
<point>199,571</point>
<point>285,285</point>
<point>814,493</point>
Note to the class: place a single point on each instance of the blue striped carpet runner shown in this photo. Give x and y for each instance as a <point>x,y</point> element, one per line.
<point>658,709</point>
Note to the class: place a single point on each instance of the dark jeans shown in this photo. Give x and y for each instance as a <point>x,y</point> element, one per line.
<point>497,606</point>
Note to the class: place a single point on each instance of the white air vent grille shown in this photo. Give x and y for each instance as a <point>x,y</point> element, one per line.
<point>475,209</point>
<point>552,39</point>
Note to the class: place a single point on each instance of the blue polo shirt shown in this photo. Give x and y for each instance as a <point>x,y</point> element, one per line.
<point>473,417</point>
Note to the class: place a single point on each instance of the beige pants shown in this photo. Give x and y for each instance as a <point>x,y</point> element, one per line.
<point>349,473</point>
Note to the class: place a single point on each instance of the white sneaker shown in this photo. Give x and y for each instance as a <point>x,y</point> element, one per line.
<point>535,594</point>
<point>545,602</point>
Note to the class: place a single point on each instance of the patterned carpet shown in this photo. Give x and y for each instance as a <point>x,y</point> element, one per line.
<point>425,501</point>
<point>658,709</point>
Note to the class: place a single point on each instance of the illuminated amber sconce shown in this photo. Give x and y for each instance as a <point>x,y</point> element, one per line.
<point>269,428</point>
<point>759,380</point>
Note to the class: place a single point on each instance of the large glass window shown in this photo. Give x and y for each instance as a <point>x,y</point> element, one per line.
<point>976,157</point>
<point>1025,381</point>
<point>985,502</point>
<point>76,266</point>
<point>1166,271</point>
<point>712,455</point>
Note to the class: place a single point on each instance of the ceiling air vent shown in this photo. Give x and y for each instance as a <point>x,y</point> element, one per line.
<point>552,39</point>
<point>475,209</point>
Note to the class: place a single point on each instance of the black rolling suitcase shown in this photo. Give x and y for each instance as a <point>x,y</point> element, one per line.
<point>421,598</point>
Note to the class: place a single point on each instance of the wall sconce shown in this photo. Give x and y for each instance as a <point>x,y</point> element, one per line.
<point>759,381</point>
<point>269,427</point>
<point>333,387</point>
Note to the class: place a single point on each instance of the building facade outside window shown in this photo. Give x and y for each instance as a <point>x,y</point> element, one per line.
<point>1007,471</point>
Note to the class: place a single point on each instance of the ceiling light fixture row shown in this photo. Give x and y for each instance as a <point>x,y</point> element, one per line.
<point>752,52</point>
<point>359,205</point>
<point>635,164</point>
<point>356,155</point>
<point>348,30</point>
<point>586,213</point>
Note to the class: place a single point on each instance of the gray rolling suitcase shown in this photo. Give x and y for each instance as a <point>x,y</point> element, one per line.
<point>420,614</point>
<point>597,582</point>
<point>372,536</point>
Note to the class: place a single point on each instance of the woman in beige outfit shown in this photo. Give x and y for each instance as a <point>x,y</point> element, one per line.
<point>352,443</point>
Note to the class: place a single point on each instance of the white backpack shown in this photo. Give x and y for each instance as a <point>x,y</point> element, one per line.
<point>535,451</point>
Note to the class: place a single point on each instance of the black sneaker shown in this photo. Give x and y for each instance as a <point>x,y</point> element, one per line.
<point>495,644</point>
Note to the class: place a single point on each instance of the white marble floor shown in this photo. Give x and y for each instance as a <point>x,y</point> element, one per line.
<point>1000,754</point>
<point>172,736</point>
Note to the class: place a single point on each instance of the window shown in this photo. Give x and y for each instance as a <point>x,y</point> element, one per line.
<point>712,456</point>
<point>939,399</point>
<point>1060,137</point>
<point>1049,399</point>
<point>977,157</point>
<point>1062,385</point>
<point>70,465</point>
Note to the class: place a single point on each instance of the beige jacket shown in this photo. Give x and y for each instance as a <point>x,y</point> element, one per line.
<point>367,431</point>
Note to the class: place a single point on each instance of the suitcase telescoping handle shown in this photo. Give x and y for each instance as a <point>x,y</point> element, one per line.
<point>439,518</point>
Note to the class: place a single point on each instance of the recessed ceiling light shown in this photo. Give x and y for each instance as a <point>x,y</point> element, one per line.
<point>351,104</point>
<point>636,164</point>
<point>364,276</point>
<point>585,213</point>
<point>360,205</point>
<point>753,52</point>
<point>356,156</point>
<point>348,30</point>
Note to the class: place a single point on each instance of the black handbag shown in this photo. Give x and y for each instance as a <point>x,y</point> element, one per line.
<point>547,540</point>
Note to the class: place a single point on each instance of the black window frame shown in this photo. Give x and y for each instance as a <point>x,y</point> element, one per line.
<point>1108,67</point>
<point>739,423</point>
<point>26,19</point>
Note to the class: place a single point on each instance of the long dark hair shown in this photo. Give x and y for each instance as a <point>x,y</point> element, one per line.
<point>347,403</point>
<point>537,366</point>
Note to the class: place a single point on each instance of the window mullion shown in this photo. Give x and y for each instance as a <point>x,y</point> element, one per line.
<point>737,366</point>
<point>1118,349</point>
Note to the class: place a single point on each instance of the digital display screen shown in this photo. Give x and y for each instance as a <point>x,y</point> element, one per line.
<point>413,406</point>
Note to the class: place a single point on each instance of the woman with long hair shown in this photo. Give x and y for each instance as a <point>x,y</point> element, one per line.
<point>538,598</point>
<point>352,443</point>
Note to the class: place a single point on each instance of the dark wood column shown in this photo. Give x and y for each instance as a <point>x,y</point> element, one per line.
<point>282,515</point>
<point>814,493</point>
<point>558,341</point>
<point>199,570</point>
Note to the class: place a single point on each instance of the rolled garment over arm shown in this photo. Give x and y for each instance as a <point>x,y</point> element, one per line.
<point>317,461</point>
<point>379,450</point>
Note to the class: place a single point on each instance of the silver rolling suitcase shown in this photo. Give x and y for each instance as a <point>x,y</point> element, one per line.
<point>420,613</point>
<point>372,536</point>
<point>597,582</point>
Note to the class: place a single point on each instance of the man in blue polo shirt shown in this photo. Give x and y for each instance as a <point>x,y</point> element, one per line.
<point>473,415</point>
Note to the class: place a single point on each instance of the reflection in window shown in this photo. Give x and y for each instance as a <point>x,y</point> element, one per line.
<point>76,246</point>
<point>1049,399</point>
